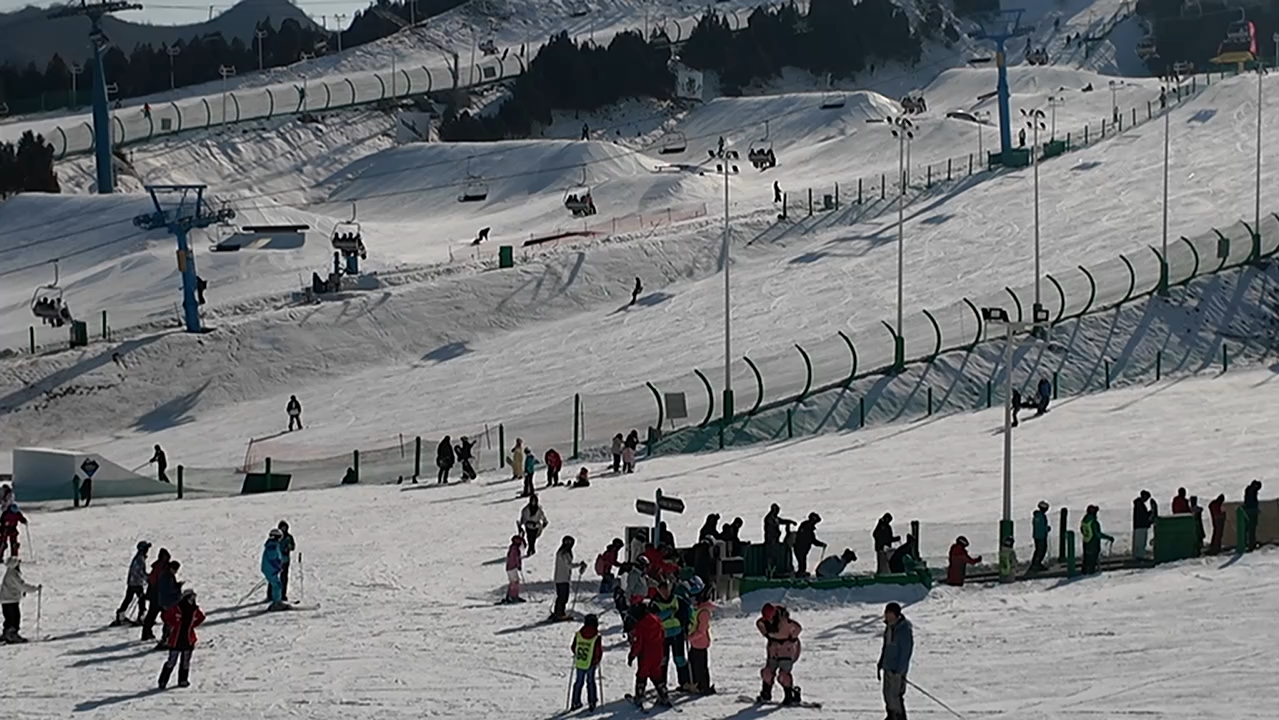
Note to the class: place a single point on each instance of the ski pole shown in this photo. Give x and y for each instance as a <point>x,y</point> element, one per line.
<point>32,546</point>
<point>39,609</point>
<point>249,594</point>
<point>577,588</point>
<point>599,675</point>
<point>568,691</point>
<point>932,697</point>
<point>301,579</point>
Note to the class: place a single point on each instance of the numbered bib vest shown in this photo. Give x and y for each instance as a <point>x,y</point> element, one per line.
<point>583,651</point>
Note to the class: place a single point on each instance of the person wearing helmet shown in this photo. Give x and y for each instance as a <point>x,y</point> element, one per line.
<point>833,565</point>
<point>1091,535</point>
<point>782,634</point>
<point>805,539</point>
<point>1039,530</point>
<point>648,646</point>
<point>674,612</point>
<point>699,637</point>
<point>587,653</point>
<point>532,523</point>
<point>272,563</point>
<point>182,619</point>
<point>514,566</point>
<point>10,518</point>
<point>959,562</point>
<point>637,580</point>
<point>135,586</point>
<point>287,546</point>
<point>12,588</point>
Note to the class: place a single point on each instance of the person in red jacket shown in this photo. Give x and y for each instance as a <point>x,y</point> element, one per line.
<point>648,645</point>
<point>182,620</point>
<point>553,464</point>
<point>1181,503</point>
<point>959,562</point>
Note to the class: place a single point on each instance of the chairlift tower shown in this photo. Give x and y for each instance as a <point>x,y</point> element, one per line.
<point>189,212</point>
<point>101,116</point>
<point>999,28</point>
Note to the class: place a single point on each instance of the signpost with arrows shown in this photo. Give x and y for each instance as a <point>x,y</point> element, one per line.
<point>655,507</point>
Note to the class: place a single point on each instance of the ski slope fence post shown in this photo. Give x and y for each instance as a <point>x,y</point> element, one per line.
<point>930,401</point>
<point>928,182</point>
<point>883,187</point>
<point>861,412</point>
<point>355,464</point>
<point>836,196</point>
<point>1107,374</point>
<point>790,424</point>
<point>577,425</point>
<point>988,394</point>
<point>1225,358</point>
<point>859,191</point>
<point>810,202</point>
<point>268,472</point>
<point>1062,532</point>
<point>1159,362</point>
<point>106,333</point>
<point>1056,383</point>
<point>1070,553</point>
<point>417,457</point>
<point>31,336</point>
<point>181,470</point>
<point>1241,530</point>
<point>501,446</point>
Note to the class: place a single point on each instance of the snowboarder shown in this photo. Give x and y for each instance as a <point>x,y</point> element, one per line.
<point>774,558</point>
<point>648,646</point>
<point>294,408</point>
<point>699,642</point>
<point>517,459</point>
<point>616,449</point>
<point>959,562</point>
<point>532,523</point>
<point>564,566</point>
<point>530,467</point>
<point>182,619</point>
<point>158,568</point>
<point>444,459</point>
<point>1217,514</point>
<point>1142,518</point>
<point>1039,530</point>
<point>1252,510</point>
<point>12,588</point>
<point>604,564</point>
<point>782,633</point>
<point>287,546</point>
<point>161,463</point>
<point>1091,535</point>
<point>135,586</point>
<point>674,613</point>
<point>10,518</point>
<point>894,660</point>
<point>272,563</point>
<point>514,566</point>
<point>884,539</point>
<point>635,291</point>
<point>629,448</point>
<point>553,464</point>
<point>465,454</point>
<point>833,566</point>
<point>805,539</point>
<point>1181,503</point>
<point>587,653</point>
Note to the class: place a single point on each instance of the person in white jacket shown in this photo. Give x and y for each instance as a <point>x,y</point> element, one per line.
<point>12,588</point>
<point>564,566</point>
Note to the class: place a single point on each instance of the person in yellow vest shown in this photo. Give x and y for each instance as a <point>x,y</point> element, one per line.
<point>587,652</point>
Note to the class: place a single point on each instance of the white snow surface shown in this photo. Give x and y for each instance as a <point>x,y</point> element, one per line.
<point>405,580</point>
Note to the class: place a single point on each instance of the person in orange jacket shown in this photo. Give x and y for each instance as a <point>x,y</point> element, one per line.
<point>648,645</point>
<point>699,642</point>
<point>959,562</point>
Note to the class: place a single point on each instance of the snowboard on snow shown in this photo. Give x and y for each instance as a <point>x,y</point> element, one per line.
<point>802,704</point>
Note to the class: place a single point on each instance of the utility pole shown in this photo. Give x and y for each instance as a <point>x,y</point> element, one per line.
<point>341,20</point>
<point>1035,121</point>
<point>101,118</point>
<point>76,69</point>
<point>726,164</point>
<point>225,71</point>
<point>1003,26</point>
<point>172,52</point>
<point>261,35</point>
<point>904,131</point>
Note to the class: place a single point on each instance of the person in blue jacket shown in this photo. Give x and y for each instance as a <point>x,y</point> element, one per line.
<point>272,564</point>
<point>894,660</point>
<point>1040,530</point>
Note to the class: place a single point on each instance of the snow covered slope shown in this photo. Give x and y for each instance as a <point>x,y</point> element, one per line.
<point>400,576</point>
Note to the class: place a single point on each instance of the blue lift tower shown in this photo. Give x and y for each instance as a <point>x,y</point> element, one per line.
<point>1000,27</point>
<point>101,116</point>
<point>187,211</point>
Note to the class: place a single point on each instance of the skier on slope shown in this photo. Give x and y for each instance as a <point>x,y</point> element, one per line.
<point>604,564</point>
<point>158,568</point>
<point>648,644</point>
<point>287,546</point>
<point>959,561</point>
<point>465,454</point>
<point>894,660</point>
<point>168,595</point>
<point>553,464</point>
<point>444,459</point>
<point>782,633</point>
<point>530,468</point>
<point>182,619</point>
<point>517,459</point>
<point>1039,530</point>
<point>294,409</point>
<point>675,614</point>
<point>10,518</point>
<point>514,567</point>
<point>1091,534</point>
<point>272,563</point>
<point>564,566</point>
<point>616,450</point>
<point>135,586</point>
<point>532,523</point>
<point>12,588</point>
<point>629,449</point>
<point>699,640</point>
<point>635,291</point>
<point>587,653</point>
<point>161,462</point>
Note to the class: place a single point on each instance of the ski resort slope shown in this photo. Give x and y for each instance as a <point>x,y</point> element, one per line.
<point>405,579</point>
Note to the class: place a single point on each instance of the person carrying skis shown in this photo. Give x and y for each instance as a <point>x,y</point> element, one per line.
<point>272,562</point>
<point>514,566</point>
<point>648,646</point>
<point>805,539</point>
<point>517,459</point>
<point>1091,535</point>
<point>564,566</point>
<point>135,586</point>
<point>833,566</point>
<point>894,660</point>
<point>616,450</point>
<point>158,568</point>
<point>1039,530</point>
<point>604,564</point>
<point>674,613</point>
<point>287,546</point>
<point>782,633</point>
<point>444,460</point>
<point>699,639</point>
<point>294,409</point>
<point>182,619</point>
<point>959,562</point>
<point>553,464</point>
<point>530,467</point>
<point>12,588</point>
<point>10,518</point>
<point>161,462</point>
<point>884,539</point>
<point>587,653</point>
<point>465,454</point>
<point>532,523</point>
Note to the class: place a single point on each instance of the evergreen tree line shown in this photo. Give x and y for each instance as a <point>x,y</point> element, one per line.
<point>1184,34</point>
<point>27,167</point>
<point>839,38</point>
<point>146,69</point>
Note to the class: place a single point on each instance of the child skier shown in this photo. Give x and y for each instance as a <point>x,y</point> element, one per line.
<point>699,642</point>
<point>135,586</point>
<point>465,454</point>
<point>532,523</point>
<point>553,464</point>
<point>181,620</point>
<point>587,652</point>
<point>272,563</point>
<point>12,588</point>
<point>648,645</point>
<point>782,633</point>
<point>530,467</point>
<point>674,613</point>
<point>514,566</point>
<point>287,546</point>
<point>629,448</point>
<point>604,564</point>
<point>10,518</point>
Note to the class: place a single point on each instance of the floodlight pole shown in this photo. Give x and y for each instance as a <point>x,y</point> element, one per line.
<point>1256,227</point>
<point>725,157</point>
<point>904,134</point>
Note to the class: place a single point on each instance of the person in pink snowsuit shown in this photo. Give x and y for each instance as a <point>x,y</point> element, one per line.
<point>782,633</point>
<point>514,564</point>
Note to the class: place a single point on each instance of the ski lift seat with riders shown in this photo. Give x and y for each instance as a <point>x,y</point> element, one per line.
<point>1237,31</point>
<point>760,154</point>
<point>474,189</point>
<point>48,305</point>
<point>347,238</point>
<point>578,200</point>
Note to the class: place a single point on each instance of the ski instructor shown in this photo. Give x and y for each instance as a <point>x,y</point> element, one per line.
<point>894,660</point>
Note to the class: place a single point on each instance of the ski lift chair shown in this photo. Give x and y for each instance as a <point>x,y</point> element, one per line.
<point>475,190</point>
<point>348,240</point>
<point>1237,31</point>
<point>832,101</point>
<point>674,144</point>
<point>579,202</point>
<point>488,47</point>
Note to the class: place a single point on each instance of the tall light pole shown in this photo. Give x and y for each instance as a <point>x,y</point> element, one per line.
<point>225,71</point>
<point>260,35</point>
<point>1035,121</point>
<point>725,165</point>
<point>172,52</point>
<point>1114,105</point>
<point>1054,101</point>
<point>1167,111</point>
<point>340,20</point>
<point>904,131</point>
<point>76,69</point>
<point>1256,227</point>
<point>998,317</point>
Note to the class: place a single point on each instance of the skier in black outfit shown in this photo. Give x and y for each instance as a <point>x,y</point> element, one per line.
<point>161,464</point>
<point>1044,393</point>
<point>773,522</point>
<point>444,459</point>
<point>635,291</point>
<point>135,586</point>
<point>884,539</point>
<point>294,409</point>
<point>805,539</point>
<point>287,546</point>
<point>777,192</point>
<point>731,535</point>
<point>1252,510</point>
<point>708,527</point>
<point>464,455</point>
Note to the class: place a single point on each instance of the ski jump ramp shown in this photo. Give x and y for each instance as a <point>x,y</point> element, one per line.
<point>42,474</point>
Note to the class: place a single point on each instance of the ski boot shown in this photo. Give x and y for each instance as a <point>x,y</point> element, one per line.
<point>792,696</point>
<point>278,606</point>
<point>765,694</point>
<point>663,697</point>
<point>120,619</point>
<point>183,672</point>
<point>165,672</point>
<point>15,638</point>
